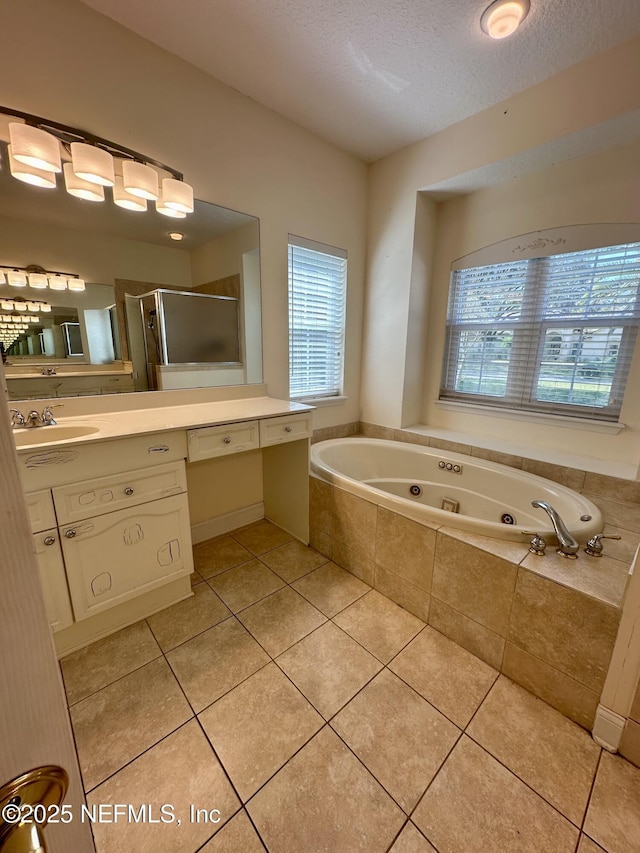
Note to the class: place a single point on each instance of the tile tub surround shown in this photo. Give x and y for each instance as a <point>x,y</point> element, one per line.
<point>548,623</point>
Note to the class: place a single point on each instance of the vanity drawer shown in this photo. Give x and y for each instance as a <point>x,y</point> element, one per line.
<point>208,442</point>
<point>41,512</point>
<point>117,491</point>
<point>287,428</point>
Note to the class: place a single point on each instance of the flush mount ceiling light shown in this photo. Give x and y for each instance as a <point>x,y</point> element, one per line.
<point>176,235</point>
<point>503,17</point>
<point>38,147</point>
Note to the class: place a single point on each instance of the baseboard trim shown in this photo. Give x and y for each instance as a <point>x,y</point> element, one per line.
<point>608,728</point>
<point>224,523</point>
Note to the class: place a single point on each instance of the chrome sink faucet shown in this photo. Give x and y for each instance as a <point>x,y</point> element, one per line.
<point>34,419</point>
<point>568,547</point>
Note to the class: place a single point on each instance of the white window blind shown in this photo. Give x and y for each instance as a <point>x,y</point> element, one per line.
<point>552,334</point>
<point>317,295</point>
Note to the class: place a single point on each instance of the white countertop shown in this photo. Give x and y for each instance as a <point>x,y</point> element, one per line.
<point>112,425</point>
<point>64,374</point>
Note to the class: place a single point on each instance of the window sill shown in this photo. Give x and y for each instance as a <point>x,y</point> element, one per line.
<point>321,401</point>
<point>589,424</point>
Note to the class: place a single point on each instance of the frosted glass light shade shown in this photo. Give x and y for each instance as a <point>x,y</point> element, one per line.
<point>17,279</point>
<point>140,180</point>
<point>38,280</point>
<point>57,282</point>
<point>503,17</point>
<point>124,199</point>
<point>20,306</point>
<point>80,188</point>
<point>45,308</point>
<point>34,318</point>
<point>162,208</point>
<point>76,285</point>
<point>34,147</point>
<point>16,319</point>
<point>92,164</point>
<point>3,279</point>
<point>34,307</point>
<point>29,174</point>
<point>177,195</point>
<point>6,305</point>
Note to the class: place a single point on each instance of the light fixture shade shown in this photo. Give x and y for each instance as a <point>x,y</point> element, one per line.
<point>33,306</point>
<point>80,188</point>
<point>3,279</point>
<point>19,306</point>
<point>57,282</point>
<point>169,211</point>
<point>6,305</point>
<point>34,147</point>
<point>177,195</point>
<point>29,174</point>
<point>124,199</point>
<point>76,285</point>
<point>140,180</point>
<point>17,278</point>
<point>15,319</point>
<point>503,17</point>
<point>92,164</point>
<point>33,318</point>
<point>45,308</point>
<point>37,280</point>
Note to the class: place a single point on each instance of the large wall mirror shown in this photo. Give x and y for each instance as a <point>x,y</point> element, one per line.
<point>157,312</point>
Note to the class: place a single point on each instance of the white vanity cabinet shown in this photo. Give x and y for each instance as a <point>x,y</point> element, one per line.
<point>114,557</point>
<point>46,542</point>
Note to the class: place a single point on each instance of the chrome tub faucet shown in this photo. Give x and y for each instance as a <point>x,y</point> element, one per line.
<point>568,547</point>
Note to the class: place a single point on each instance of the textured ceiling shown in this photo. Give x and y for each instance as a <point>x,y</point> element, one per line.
<point>372,76</point>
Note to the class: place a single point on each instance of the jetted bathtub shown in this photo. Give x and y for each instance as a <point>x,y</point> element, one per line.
<point>441,488</point>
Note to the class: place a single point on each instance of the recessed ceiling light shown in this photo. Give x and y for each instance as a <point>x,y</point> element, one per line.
<point>176,235</point>
<point>503,17</point>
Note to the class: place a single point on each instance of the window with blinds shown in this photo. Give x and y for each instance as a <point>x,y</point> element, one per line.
<point>552,334</point>
<point>317,297</point>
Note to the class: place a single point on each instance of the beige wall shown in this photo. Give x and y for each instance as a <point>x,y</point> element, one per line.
<point>601,188</point>
<point>84,70</point>
<point>513,145</point>
<point>222,257</point>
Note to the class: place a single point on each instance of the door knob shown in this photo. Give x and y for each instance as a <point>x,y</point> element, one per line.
<point>26,803</point>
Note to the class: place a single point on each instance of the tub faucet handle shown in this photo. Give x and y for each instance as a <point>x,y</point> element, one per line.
<point>594,545</point>
<point>537,544</point>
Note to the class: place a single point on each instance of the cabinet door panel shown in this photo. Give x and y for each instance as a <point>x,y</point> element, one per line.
<point>118,556</point>
<point>54,579</point>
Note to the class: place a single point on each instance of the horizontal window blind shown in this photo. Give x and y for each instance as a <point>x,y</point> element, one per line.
<point>317,297</point>
<point>552,334</point>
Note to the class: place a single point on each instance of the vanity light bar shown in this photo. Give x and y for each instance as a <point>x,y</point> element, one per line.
<point>38,146</point>
<point>40,279</point>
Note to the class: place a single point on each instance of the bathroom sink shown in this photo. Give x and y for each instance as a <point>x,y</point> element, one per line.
<point>47,434</point>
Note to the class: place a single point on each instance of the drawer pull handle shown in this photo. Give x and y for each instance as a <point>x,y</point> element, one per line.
<point>227,439</point>
<point>158,448</point>
<point>288,428</point>
<point>128,491</point>
<point>69,534</point>
<point>49,540</point>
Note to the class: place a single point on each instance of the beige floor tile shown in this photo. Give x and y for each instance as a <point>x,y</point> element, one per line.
<point>588,846</point>
<point>179,771</point>
<point>293,560</point>
<point>329,668</point>
<point>101,663</point>
<point>397,735</point>
<point>379,625</point>
<point>258,726</point>
<point>184,620</point>
<point>613,817</point>
<point>246,584</point>
<point>214,662</point>
<point>196,579</point>
<point>219,554</point>
<point>554,756</point>
<point>475,805</point>
<point>121,721</point>
<point>449,677</point>
<point>330,588</point>
<point>261,537</point>
<point>325,800</point>
<point>237,836</point>
<point>280,620</point>
<point>412,841</point>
